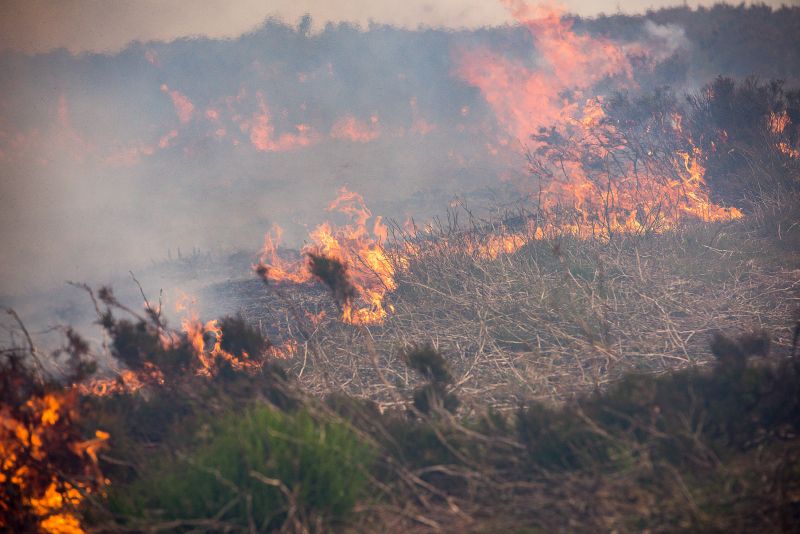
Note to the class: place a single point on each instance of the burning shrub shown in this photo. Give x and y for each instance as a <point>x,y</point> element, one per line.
<point>332,273</point>
<point>47,465</point>
<point>240,339</point>
<point>749,133</point>
<point>140,347</point>
<point>226,360</point>
<point>350,260</point>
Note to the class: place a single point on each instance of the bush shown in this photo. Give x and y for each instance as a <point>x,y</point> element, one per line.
<point>263,468</point>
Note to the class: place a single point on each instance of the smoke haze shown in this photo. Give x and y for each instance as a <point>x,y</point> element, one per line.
<point>116,161</point>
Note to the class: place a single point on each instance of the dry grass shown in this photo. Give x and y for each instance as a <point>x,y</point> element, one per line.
<point>558,317</point>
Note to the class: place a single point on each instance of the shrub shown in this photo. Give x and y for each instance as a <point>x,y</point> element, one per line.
<point>263,468</point>
<point>433,367</point>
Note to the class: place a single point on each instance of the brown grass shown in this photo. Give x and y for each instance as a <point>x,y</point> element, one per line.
<point>558,317</point>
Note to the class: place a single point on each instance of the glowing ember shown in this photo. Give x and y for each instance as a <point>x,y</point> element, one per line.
<point>126,381</point>
<point>285,350</point>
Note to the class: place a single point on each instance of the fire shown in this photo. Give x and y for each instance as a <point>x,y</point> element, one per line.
<point>591,182</point>
<point>777,123</point>
<point>33,439</point>
<point>352,129</point>
<point>595,181</point>
<point>206,341</point>
<point>603,187</point>
<point>788,150</point>
<point>126,381</point>
<point>263,137</point>
<point>167,138</point>
<point>525,100</point>
<point>356,246</point>
<point>497,244</point>
<point>285,350</point>
<point>183,106</point>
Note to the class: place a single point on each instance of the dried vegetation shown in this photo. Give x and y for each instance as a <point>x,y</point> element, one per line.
<point>557,317</point>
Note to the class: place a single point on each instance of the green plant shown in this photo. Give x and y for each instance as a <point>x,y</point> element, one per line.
<point>262,468</point>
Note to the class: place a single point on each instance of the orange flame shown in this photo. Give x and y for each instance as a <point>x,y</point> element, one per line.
<point>206,341</point>
<point>262,132</point>
<point>356,247</point>
<point>576,198</point>
<point>26,441</point>
<point>126,381</point>
<point>526,100</point>
<point>183,106</point>
<point>285,350</point>
<point>777,123</point>
<point>352,129</point>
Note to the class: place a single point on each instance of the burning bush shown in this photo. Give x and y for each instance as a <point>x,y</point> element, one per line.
<point>750,134</point>
<point>214,446</point>
<point>349,259</point>
<point>48,466</point>
<point>333,274</point>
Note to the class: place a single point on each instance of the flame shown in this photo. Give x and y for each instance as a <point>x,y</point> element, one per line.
<point>315,318</point>
<point>587,192</point>
<point>356,246</point>
<point>206,340</point>
<point>126,381</point>
<point>495,245</point>
<point>576,197</point>
<point>626,197</point>
<point>28,438</point>
<point>285,350</point>
<point>777,124</point>
<point>352,129</point>
<point>788,150</point>
<point>166,139</point>
<point>526,99</point>
<point>262,132</point>
<point>183,106</point>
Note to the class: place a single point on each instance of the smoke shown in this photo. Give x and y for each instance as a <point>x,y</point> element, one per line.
<point>113,162</point>
<point>665,39</point>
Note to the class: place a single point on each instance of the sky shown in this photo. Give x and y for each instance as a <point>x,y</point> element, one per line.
<point>107,26</point>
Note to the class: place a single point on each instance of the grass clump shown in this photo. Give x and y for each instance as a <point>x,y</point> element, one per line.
<point>264,468</point>
<point>432,366</point>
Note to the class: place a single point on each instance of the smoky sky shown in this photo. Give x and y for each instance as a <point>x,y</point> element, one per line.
<point>109,25</point>
<point>197,136</point>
